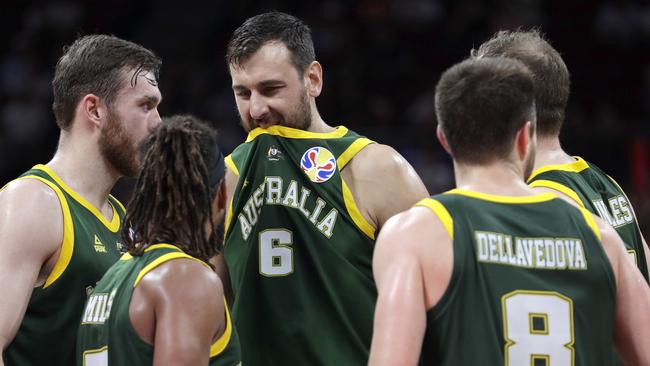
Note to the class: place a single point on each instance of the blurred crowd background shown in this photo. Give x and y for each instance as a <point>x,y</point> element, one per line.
<point>381,61</point>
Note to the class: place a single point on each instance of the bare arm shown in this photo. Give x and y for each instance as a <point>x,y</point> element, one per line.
<point>631,332</point>
<point>219,261</point>
<point>187,318</point>
<point>383,183</point>
<point>31,232</point>
<point>412,266</point>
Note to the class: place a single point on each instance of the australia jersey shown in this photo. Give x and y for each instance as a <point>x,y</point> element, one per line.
<point>531,284</point>
<point>91,244</point>
<point>298,250</point>
<point>594,190</point>
<point>106,334</point>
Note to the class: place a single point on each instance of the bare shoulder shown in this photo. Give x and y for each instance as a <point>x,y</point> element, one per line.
<point>416,237</point>
<point>415,230</point>
<point>378,159</point>
<point>611,242</point>
<point>31,216</point>
<point>383,183</point>
<point>172,279</point>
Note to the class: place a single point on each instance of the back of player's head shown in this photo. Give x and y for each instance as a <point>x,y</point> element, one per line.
<point>269,27</point>
<point>182,170</point>
<point>480,106</point>
<point>96,64</point>
<point>549,71</point>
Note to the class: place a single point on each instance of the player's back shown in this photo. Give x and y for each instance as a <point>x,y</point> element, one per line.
<point>298,250</point>
<point>106,334</point>
<point>91,244</point>
<point>531,285</point>
<point>594,190</point>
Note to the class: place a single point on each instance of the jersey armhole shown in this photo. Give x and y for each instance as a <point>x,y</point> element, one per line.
<point>231,164</point>
<point>222,342</point>
<point>350,204</point>
<point>67,244</point>
<point>442,213</point>
<point>589,219</point>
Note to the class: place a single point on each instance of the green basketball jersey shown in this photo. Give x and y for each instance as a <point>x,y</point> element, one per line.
<point>91,244</point>
<point>531,284</point>
<point>106,334</point>
<point>594,190</point>
<point>299,251</point>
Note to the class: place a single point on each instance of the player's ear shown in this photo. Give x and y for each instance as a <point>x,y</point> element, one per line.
<point>92,109</point>
<point>523,140</point>
<point>442,139</point>
<point>313,77</point>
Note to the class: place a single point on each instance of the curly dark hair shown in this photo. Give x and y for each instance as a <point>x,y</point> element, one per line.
<point>181,171</point>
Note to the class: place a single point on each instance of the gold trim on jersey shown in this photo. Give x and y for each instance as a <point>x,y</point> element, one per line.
<point>558,187</point>
<point>589,219</point>
<point>294,133</point>
<point>504,199</point>
<point>576,167</point>
<point>113,225</point>
<point>440,211</point>
<point>231,164</point>
<point>118,203</point>
<point>162,259</point>
<point>351,151</point>
<point>355,213</point>
<point>67,244</point>
<point>228,220</point>
<point>220,344</point>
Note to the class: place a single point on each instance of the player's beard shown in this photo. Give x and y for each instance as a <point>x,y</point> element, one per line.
<point>117,147</point>
<point>300,118</point>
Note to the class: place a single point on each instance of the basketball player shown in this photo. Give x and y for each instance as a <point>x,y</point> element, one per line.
<point>493,272</point>
<point>307,202</point>
<point>59,227</point>
<point>571,177</point>
<point>161,303</point>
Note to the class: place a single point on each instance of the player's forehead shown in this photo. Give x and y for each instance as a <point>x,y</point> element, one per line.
<point>271,62</point>
<point>142,84</point>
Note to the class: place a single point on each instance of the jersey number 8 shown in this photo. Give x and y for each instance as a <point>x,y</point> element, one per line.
<point>538,328</point>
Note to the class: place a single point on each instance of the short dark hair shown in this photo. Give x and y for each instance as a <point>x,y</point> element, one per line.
<point>94,64</point>
<point>480,105</point>
<point>182,169</point>
<point>551,76</point>
<point>274,26</point>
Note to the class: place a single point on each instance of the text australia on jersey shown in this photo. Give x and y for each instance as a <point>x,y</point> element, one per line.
<point>273,191</point>
<point>538,253</point>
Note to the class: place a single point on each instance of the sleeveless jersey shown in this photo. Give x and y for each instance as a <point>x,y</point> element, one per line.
<point>531,284</point>
<point>91,244</point>
<point>106,334</point>
<point>594,190</point>
<point>299,251</point>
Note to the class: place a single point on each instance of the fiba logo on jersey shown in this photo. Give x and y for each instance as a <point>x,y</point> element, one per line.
<point>318,163</point>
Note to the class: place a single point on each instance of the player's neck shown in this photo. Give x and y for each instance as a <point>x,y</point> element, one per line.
<point>497,178</point>
<point>78,162</point>
<point>550,152</point>
<point>318,125</point>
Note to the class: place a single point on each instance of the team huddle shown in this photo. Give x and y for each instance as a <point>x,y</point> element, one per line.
<point>311,244</point>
